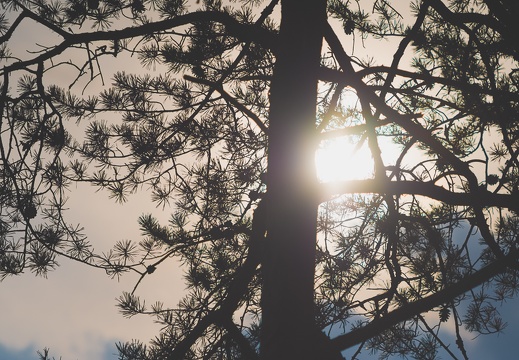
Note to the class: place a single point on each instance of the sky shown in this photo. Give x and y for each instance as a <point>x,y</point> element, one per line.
<point>73,312</point>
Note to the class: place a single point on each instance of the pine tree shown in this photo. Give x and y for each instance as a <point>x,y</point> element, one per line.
<point>217,109</point>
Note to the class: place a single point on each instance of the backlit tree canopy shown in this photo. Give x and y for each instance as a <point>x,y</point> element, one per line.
<point>217,108</point>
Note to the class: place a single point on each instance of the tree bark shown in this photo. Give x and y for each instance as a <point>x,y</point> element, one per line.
<point>288,319</point>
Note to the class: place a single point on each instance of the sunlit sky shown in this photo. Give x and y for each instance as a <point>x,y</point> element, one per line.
<point>341,159</point>
<point>73,312</point>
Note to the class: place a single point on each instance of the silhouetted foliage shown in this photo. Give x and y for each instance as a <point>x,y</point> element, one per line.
<point>203,91</point>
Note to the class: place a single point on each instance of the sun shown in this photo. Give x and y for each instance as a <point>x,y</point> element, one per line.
<point>343,158</point>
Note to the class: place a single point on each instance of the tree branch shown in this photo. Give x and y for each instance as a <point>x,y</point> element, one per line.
<point>428,189</point>
<point>218,87</point>
<point>245,32</point>
<point>236,290</point>
<point>410,310</point>
<point>417,130</point>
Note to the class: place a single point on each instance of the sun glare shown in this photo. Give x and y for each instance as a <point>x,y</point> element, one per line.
<point>342,159</point>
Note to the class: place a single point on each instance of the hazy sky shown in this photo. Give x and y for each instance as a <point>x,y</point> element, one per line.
<point>73,311</point>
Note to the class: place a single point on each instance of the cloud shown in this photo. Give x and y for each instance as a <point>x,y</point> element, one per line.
<point>100,350</point>
<point>8,353</point>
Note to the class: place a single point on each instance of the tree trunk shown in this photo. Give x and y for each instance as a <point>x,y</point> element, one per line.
<point>288,320</point>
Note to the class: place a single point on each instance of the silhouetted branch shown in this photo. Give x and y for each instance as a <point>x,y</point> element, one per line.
<point>428,189</point>
<point>402,120</point>
<point>417,131</point>
<point>410,310</point>
<point>237,335</point>
<point>229,98</point>
<point>237,288</point>
<point>245,32</point>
